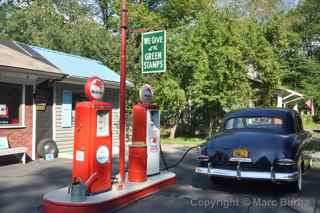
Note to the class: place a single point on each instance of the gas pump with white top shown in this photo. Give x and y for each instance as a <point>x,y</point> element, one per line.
<point>146,128</point>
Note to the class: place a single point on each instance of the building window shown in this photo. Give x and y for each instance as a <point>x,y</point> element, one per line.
<point>11,104</point>
<point>77,97</point>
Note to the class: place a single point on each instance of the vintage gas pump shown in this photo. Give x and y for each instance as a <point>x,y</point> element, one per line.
<point>92,157</point>
<point>92,160</point>
<point>146,128</point>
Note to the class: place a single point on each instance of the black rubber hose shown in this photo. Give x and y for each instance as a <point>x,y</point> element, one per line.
<point>177,162</point>
<point>163,159</point>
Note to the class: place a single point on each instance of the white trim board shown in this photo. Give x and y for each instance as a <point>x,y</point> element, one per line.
<point>34,123</point>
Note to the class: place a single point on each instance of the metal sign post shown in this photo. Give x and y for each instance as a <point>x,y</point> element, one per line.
<point>122,138</point>
<point>153,52</point>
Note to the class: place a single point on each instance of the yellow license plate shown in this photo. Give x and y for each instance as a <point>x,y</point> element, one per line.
<point>240,153</point>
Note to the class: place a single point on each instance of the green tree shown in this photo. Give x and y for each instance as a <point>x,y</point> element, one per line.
<point>65,27</point>
<point>302,61</point>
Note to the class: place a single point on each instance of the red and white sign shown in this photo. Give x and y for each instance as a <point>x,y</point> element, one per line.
<point>94,88</point>
<point>154,140</point>
<point>4,111</point>
<point>146,94</point>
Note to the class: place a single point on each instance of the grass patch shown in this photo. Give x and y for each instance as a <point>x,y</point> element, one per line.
<point>313,146</point>
<point>183,141</point>
<point>308,123</point>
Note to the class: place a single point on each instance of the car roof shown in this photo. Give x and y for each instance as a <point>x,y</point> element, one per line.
<point>286,114</point>
<point>254,112</point>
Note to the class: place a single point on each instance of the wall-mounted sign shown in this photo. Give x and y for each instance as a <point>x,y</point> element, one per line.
<point>66,109</point>
<point>146,94</point>
<point>4,143</point>
<point>4,111</point>
<point>94,88</point>
<point>41,102</point>
<point>79,155</point>
<point>153,52</point>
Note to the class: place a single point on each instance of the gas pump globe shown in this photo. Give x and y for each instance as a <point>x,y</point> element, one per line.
<point>92,162</point>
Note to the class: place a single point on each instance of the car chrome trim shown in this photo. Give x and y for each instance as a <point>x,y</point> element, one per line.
<point>202,170</point>
<point>242,160</point>
<point>273,176</point>
<point>286,162</point>
<point>203,158</point>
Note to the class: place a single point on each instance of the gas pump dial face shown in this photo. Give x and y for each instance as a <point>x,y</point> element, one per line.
<point>102,155</point>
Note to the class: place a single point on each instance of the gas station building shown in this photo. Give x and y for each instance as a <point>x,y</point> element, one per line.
<point>47,91</point>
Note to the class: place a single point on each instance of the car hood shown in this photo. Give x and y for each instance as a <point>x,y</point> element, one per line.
<point>263,146</point>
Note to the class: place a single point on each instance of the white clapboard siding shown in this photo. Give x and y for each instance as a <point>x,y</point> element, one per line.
<point>65,136</point>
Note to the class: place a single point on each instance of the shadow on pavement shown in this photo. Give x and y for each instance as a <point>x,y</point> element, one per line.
<point>22,186</point>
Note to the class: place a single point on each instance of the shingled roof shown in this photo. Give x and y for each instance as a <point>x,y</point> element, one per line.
<point>14,61</point>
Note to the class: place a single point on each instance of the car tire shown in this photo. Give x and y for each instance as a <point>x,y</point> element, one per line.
<point>310,164</point>
<point>296,186</point>
<point>44,145</point>
<point>199,181</point>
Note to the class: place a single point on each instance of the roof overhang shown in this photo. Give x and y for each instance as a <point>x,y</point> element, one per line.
<point>82,81</point>
<point>24,76</point>
<point>290,96</point>
<point>24,71</point>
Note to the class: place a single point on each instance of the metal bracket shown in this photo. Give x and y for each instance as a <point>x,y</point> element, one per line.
<point>238,171</point>
<point>273,176</point>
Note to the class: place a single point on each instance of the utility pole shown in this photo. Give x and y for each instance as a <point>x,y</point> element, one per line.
<point>122,136</point>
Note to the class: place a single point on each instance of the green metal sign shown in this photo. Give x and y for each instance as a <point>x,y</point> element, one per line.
<point>153,52</point>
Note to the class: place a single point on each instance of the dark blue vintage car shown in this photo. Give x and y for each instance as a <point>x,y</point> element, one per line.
<point>258,144</point>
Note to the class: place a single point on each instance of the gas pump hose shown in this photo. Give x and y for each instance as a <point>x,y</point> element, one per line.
<point>164,161</point>
<point>166,167</point>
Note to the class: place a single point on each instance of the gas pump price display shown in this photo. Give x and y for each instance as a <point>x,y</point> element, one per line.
<point>102,123</point>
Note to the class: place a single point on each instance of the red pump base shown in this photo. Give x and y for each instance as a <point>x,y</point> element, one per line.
<point>59,200</point>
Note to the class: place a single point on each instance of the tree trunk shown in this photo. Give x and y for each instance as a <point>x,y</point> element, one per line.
<point>173,132</point>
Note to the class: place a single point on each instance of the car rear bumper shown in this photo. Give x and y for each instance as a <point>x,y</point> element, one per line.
<point>273,176</point>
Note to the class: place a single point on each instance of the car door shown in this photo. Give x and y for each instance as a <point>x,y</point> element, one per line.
<point>303,137</point>
<point>303,134</point>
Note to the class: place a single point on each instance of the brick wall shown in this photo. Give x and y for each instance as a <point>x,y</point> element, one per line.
<point>18,137</point>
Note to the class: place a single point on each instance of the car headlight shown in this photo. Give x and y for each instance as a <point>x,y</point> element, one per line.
<point>286,162</point>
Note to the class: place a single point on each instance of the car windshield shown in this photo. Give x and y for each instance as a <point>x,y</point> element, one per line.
<point>275,123</point>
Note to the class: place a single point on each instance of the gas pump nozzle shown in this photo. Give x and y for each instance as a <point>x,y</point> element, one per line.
<point>91,180</point>
<point>77,190</point>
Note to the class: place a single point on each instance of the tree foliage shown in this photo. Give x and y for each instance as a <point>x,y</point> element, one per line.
<point>211,45</point>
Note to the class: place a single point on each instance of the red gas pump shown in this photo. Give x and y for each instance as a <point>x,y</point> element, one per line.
<point>146,128</point>
<point>92,160</point>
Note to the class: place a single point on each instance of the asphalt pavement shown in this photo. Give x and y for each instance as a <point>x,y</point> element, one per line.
<point>194,193</point>
<point>22,188</point>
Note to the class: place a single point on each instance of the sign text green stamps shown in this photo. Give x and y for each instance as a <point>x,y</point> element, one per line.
<point>153,52</point>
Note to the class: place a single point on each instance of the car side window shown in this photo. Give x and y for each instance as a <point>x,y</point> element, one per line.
<point>229,124</point>
<point>234,123</point>
<point>299,123</point>
<point>239,123</point>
